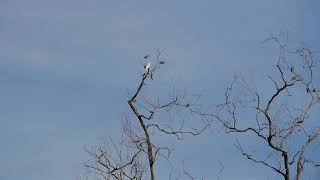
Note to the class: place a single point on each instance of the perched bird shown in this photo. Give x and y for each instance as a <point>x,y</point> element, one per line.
<point>147,67</point>
<point>146,56</point>
<point>162,62</point>
<point>292,69</point>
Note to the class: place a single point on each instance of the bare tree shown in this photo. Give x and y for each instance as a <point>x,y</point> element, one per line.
<point>116,160</point>
<point>284,127</point>
<point>284,121</point>
<point>126,159</point>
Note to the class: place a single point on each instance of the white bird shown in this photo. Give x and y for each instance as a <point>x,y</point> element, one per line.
<point>147,67</point>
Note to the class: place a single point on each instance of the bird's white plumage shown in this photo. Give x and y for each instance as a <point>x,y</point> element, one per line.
<point>147,67</point>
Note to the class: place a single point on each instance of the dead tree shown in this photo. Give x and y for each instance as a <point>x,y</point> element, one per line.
<point>284,127</point>
<point>135,155</point>
<point>115,160</point>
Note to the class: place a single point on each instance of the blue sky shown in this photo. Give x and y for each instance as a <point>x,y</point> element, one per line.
<point>66,67</point>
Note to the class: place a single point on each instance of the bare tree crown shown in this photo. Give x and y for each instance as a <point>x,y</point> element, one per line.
<point>285,128</point>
